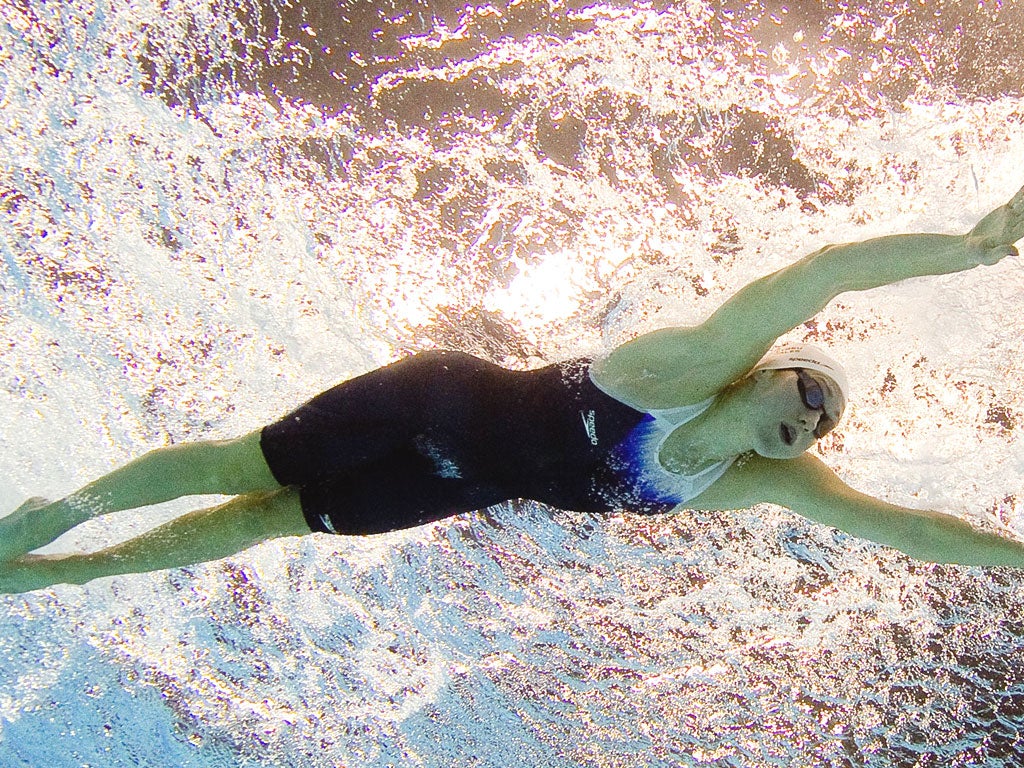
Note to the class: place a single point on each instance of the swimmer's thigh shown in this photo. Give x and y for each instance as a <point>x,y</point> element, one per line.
<point>382,498</point>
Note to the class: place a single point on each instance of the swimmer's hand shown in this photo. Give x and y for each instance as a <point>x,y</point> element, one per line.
<point>993,238</point>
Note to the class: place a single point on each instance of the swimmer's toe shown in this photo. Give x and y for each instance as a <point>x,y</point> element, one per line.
<point>32,504</point>
<point>16,527</point>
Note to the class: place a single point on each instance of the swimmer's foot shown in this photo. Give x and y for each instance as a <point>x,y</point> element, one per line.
<point>25,575</point>
<point>16,529</point>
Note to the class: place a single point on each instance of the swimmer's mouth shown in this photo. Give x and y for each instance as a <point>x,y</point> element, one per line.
<point>787,434</point>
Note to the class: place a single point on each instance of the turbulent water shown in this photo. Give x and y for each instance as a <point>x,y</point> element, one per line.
<point>209,211</point>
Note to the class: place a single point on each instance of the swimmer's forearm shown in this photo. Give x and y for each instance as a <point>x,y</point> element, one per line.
<point>932,537</point>
<point>946,539</point>
<point>779,302</point>
<point>926,536</point>
<point>886,260</point>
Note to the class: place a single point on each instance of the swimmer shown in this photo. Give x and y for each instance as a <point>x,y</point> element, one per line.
<point>707,418</point>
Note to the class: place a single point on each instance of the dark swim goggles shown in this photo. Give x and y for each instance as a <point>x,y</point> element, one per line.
<point>813,396</point>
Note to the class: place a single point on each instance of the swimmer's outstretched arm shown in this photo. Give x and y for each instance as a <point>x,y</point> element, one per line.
<point>674,366</point>
<point>809,488</point>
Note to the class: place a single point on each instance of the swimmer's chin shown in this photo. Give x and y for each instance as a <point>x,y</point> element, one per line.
<point>788,452</point>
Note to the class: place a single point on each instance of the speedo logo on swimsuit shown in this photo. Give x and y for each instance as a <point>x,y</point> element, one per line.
<point>590,425</point>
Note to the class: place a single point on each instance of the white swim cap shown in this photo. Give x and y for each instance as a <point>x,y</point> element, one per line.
<point>811,358</point>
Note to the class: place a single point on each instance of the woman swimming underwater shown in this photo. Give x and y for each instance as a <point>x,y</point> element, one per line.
<point>703,417</point>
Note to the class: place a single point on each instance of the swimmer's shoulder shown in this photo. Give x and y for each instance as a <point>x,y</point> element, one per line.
<point>668,368</point>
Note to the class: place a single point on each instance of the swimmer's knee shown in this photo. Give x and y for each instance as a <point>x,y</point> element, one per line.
<point>273,514</point>
<point>238,466</point>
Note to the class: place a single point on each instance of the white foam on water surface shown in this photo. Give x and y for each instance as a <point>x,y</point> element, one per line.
<point>184,255</point>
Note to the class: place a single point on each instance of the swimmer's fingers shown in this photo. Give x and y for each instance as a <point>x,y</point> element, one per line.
<point>1004,226</point>
<point>987,250</point>
<point>997,254</point>
<point>987,254</point>
<point>1015,218</point>
<point>1017,203</point>
<point>993,238</point>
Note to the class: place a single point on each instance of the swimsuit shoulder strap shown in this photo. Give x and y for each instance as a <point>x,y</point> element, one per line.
<point>675,416</point>
<point>681,414</point>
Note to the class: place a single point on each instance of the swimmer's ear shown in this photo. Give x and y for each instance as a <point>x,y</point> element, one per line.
<point>761,374</point>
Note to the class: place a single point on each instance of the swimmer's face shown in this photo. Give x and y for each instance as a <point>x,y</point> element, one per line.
<point>796,407</point>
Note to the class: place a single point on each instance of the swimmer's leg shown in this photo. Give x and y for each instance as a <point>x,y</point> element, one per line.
<point>196,537</point>
<point>225,466</point>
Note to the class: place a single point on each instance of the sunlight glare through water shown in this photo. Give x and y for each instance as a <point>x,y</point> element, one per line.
<point>211,211</point>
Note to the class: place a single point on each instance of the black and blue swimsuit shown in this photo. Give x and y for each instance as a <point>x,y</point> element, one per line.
<point>441,433</point>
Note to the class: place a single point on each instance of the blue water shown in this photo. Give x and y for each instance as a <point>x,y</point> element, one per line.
<point>211,211</point>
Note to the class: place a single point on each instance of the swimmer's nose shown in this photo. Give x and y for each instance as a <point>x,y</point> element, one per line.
<point>809,419</point>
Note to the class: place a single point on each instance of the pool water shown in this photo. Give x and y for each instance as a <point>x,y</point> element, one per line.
<point>210,211</point>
